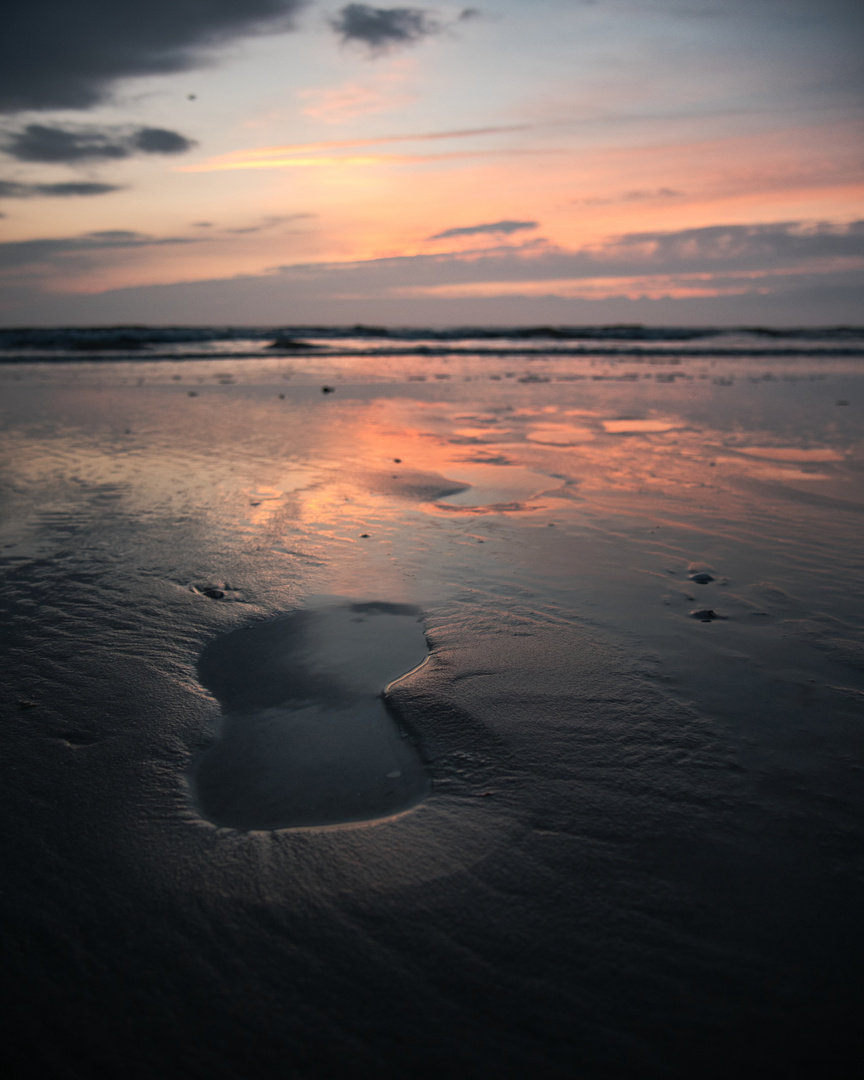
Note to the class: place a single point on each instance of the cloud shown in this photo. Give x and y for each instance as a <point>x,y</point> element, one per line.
<point>17,254</point>
<point>493,227</point>
<point>632,196</point>
<point>37,142</point>
<point>791,273</point>
<point>58,54</point>
<point>267,157</point>
<point>745,261</point>
<point>76,142</point>
<point>269,222</point>
<point>741,246</point>
<point>10,189</point>
<point>743,258</point>
<point>161,141</point>
<point>381,29</point>
<point>659,193</point>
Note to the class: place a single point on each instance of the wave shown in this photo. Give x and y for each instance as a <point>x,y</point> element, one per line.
<point>240,342</point>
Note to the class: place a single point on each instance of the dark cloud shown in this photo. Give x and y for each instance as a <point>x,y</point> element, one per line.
<point>17,254</point>
<point>70,142</point>
<point>64,54</point>
<point>37,142</point>
<point>161,141</point>
<point>493,227</point>
<point>383,28</point>
<point>10,189</point>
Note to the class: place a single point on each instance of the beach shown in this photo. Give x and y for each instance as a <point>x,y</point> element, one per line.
<point>433,707</point>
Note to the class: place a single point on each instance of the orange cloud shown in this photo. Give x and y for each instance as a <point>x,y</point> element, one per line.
<point>265,157</point>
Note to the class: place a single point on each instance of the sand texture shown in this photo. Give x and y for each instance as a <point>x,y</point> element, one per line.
<point>499,725</point>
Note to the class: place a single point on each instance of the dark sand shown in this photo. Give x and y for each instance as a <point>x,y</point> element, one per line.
<point>623,842</point>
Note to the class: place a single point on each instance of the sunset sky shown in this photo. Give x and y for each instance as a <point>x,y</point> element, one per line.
<point>572,161</point>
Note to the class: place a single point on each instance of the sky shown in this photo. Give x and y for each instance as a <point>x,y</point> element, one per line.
<point>557,161</point>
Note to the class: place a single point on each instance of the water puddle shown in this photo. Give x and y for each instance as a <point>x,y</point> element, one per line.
<point>791,453</point>
<point>560,434</point>
<point>492,485</point>
<point>627,426</point>
<point>306,736</point>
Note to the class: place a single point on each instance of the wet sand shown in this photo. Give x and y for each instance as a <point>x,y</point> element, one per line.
<point>467,726</point>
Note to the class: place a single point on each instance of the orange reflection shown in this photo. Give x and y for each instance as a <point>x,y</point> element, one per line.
<point>518,460</point>
<point>264,502</point>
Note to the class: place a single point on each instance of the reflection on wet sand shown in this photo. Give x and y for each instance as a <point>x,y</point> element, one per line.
<point>634,787</point>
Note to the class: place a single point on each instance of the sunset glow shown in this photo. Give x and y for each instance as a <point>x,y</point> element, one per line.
<point>587,125</point>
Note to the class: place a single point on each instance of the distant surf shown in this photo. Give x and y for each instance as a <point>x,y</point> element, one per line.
<point>244,342</point>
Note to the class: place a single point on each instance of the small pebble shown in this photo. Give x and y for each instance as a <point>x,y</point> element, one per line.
<point>193,393</point>
<point>327,389</point>
<point>364,536</point>
<point>214,594</point>
<point>705,615</point>
<point>701,579</point>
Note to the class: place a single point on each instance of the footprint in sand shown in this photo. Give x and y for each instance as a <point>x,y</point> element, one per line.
<point>306,737</point>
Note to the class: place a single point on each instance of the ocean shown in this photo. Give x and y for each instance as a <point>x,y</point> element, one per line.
<point>379,342</point>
